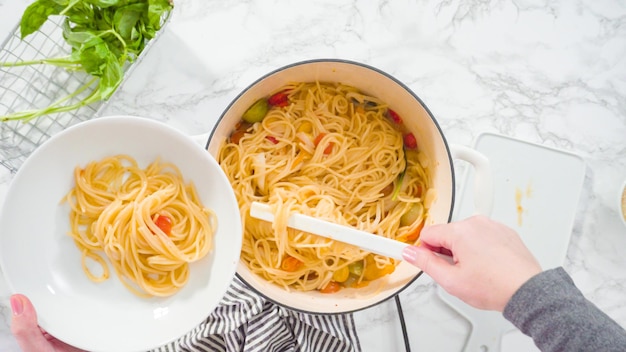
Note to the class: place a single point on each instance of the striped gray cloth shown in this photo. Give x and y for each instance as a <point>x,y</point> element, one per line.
<point>246,322</point>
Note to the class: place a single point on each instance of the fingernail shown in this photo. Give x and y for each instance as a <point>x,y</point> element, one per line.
<point>16,305</point>
<point>409,253</point>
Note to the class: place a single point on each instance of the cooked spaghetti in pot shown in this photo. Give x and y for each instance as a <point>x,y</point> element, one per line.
<point>329,151</point>
<point>147,223</point>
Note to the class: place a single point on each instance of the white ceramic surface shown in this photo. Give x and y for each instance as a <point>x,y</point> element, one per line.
<point>40,260</point>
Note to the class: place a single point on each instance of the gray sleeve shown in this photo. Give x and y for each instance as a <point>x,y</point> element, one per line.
<point>550,309</point>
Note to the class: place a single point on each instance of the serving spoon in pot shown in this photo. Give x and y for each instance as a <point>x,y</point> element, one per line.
<point>365,240</point>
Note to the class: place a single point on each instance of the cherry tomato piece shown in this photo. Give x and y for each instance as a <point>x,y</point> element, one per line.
<point>291,264</point>
<point>415,234</point>
<point>164,223</point>
<point>332,287</point>
<point>279,99</point>
<point>236,136</point>
<point>409,141</point>
<point>394,116</point>
<point>329,147</point>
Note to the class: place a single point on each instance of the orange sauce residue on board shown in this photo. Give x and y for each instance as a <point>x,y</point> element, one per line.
<point>519,195</point>
<point>518,205</point>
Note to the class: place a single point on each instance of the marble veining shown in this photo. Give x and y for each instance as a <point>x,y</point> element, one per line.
<point>551,72</point>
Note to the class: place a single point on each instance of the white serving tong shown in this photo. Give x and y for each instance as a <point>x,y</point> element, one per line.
<point>365,240</point>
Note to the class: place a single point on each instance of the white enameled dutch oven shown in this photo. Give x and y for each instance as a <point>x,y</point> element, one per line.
<point>418,120</point>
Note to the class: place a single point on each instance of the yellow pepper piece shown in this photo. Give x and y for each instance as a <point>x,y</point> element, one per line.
<point>341,274</point>
<point>300,158</point>
<point>373,272</point>
<point>305,127</point>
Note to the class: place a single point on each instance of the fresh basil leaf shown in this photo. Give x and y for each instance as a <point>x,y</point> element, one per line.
<point>103,3</point>
<point>75,56</point>
<point>36,14</point>
<point>104,34</point>
<point>111,78</point>
<point>147,31</point>
<point>135,45</point>
<point>117,49</point>
<point>156,10</point>
<point>126,18</point>
<point>66,28</point>
<point>93,58</point>
<point>80,38</point>
<point>81,14</point>
<point>103,19</point>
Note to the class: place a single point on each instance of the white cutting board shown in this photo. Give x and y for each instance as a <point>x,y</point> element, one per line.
<point>536,192</point>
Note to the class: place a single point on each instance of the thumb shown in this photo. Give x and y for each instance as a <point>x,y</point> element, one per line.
<point>24,325</point>
<point>431,263</point>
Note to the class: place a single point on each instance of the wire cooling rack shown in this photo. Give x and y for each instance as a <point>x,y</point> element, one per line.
<point>37,86</point>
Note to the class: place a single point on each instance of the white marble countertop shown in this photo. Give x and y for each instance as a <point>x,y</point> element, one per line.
<point>548,72</point>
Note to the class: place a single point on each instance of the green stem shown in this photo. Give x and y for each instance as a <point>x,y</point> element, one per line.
<point>78,91</point>
<point>65,62</point>
<point>55,107</point>
<point>92,98</point>
<point>69,7</point>
<point>119,37</point>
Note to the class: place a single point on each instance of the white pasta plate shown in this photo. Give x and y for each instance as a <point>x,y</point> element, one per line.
<point>40,260</point>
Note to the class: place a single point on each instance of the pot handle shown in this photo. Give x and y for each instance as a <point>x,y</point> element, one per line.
<point>481,337</point>
<point>201,138</point>
<point>483,181</point>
